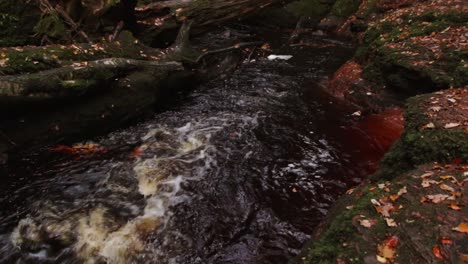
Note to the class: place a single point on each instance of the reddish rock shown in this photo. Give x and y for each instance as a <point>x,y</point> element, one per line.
<point>344,79</point>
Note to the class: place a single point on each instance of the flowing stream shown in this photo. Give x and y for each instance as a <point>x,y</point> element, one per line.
<point>239,171</point>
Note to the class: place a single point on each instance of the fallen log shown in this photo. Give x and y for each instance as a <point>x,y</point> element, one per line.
<point>162,16</point>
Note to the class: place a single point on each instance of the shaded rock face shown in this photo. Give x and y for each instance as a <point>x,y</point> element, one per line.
<point>17,22</point>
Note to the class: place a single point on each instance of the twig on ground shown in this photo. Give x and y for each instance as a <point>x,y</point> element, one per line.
<point>235,47</point>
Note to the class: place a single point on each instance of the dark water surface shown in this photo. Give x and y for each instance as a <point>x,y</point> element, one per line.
<point>241,171</point>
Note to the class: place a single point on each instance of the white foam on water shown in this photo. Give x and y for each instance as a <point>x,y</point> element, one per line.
<point>171,157</point>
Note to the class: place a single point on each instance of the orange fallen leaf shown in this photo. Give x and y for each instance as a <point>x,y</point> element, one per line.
<point>386,209</point>
<point>455,207</point>
<point>437,252</point>
<point>464,257</point>
<point>386,249</point>
<point>462,227</point>
<point>446,241</point>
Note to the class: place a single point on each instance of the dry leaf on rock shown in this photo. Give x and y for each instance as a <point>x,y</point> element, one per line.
<point>427,183</point>
<point>462,227</point>
<point>437,252</point>
<point>386,209</point>
<point>455,206</point>
<point>437,198</point>
<point>445,187</point>
<point>387,248</point>
<point>429,126</point>
<point>367,223</point>
<point>391,222</point>
<point>451,125</point>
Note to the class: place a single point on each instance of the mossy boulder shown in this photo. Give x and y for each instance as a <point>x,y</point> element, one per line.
<point>435,130</point>
<point>405,212</point>
<point>417,49</point>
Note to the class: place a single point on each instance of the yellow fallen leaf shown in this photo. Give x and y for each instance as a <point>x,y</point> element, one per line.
<point>381,259</point>
<point>445,187</point>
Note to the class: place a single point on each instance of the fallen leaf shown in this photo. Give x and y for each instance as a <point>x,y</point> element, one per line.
<point>464,257</point>
<point>435,108</point>
<point>455,207</point>
<point>386,209</point>
<point>462,227</point>
<point>427,183</point>
<point>446,241</point>
<point>445,187</point>
<point>367,223</point>
<point>400,193</point>
<point>427,175</point>
<point>386,249</point>
<point>381,259</point>
<point>375,202</point>
<point>451,125</point>
<point>429,126</point>
<point>437,252</point>
<point>391,222</point>
<point>437,198</point>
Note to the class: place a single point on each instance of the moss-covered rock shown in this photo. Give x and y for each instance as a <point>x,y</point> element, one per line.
<point>435,130</point>
<point>17,22</point>
<point>417,45</point>
<point>364,222</point>
<point>345,8</point>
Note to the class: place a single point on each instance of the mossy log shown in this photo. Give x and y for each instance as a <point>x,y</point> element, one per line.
<point>76,80</point>
<point>161,16</point>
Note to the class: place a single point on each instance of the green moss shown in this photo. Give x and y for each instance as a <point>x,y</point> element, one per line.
<point>17,21</point>
<point>312,9</point>
<point>419,146</point>
<point>52,26</point>
<point>345,8</point>
<point>391,67</point>
<point>340,232</point>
